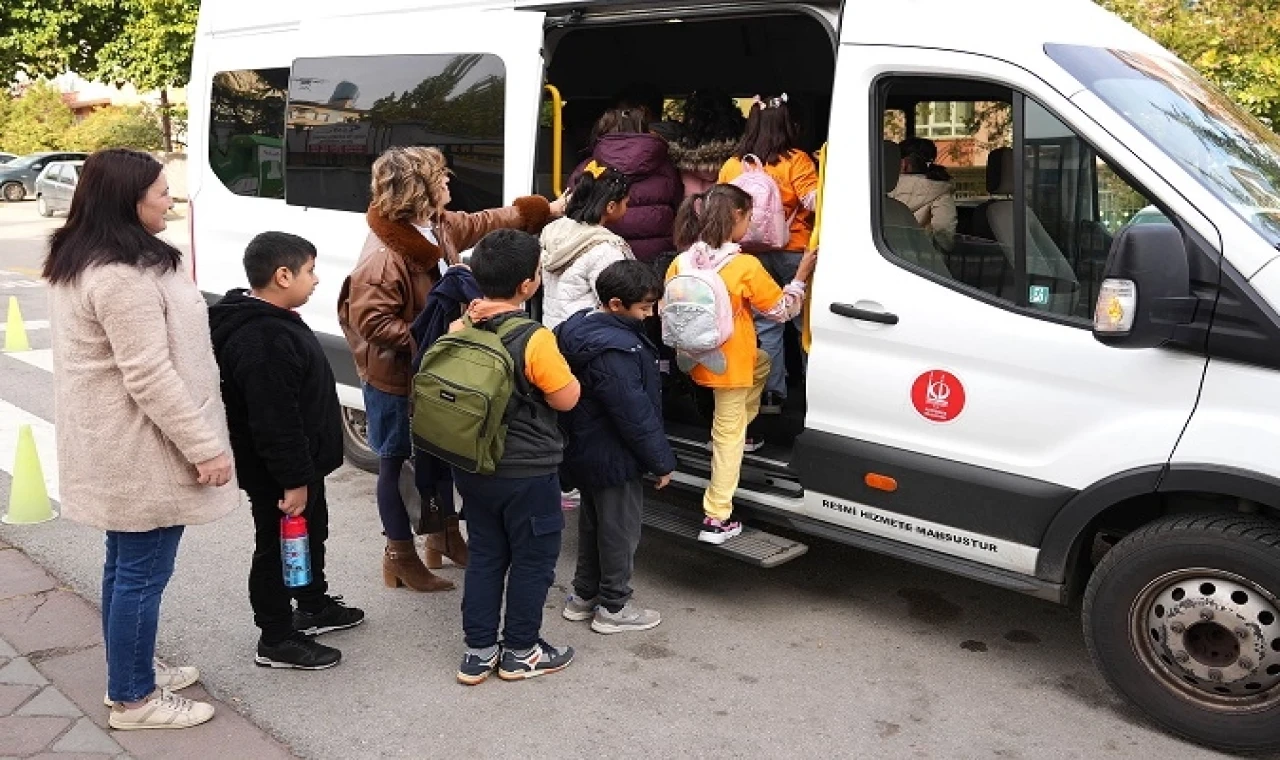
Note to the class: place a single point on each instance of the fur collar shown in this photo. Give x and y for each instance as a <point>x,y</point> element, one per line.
<point>404,239</point>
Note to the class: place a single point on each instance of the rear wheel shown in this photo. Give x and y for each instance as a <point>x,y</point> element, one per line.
<point>13,192</point>
<point>42,206</point>
<point>1182,617</point>
<point>355,440</point>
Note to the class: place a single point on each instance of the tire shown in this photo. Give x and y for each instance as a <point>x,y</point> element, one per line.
<point>355,446</point>
<point>42,206</point>
<point>1182,617</point>
<point>13,192</point>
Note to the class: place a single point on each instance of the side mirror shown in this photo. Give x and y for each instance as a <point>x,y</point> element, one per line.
<point>1147,290</point>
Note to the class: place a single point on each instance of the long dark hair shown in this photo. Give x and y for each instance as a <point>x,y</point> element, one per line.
<point>711,115</point>
<point>103,225</point>
<point>919,155</point>
<point>770,133</point>
<point>591,195</point>
<point>710,216</point>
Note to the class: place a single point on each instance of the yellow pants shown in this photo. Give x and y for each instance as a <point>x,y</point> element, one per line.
<point>735,409</point>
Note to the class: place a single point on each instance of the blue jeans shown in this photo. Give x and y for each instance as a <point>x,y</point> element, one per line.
<point>782,266</point>
<point>137,569</point>
<point>513,536</point>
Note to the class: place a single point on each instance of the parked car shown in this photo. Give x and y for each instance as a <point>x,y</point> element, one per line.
<point>18,177</point>
<point>6,157</point>
<point>55,186</point>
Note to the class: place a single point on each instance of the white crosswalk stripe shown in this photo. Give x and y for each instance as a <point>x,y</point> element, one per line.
<point>36,357</point>
<point>31,324</point>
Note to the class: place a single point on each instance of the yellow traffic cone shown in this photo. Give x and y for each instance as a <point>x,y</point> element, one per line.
<point>15,333</point>
<point>28,499</point>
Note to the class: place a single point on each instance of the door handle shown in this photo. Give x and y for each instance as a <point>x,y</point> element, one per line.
<point>854,312</point>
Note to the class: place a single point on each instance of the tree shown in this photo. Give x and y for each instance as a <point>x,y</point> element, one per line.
<point>38,120</point>
<point>1233,43</point>
<point>117,127</point>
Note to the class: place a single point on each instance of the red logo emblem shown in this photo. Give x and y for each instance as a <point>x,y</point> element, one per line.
<point>938,396</point>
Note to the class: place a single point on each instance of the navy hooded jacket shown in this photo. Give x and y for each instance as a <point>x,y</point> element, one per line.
<point>615,433</point>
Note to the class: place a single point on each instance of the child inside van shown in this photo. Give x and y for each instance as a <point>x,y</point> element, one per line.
<point>577,247</point>
<point>770,138</point>
<point>286,434</point>
<point>708,227</point>
<point>514,519</point>
<point>614,436</point>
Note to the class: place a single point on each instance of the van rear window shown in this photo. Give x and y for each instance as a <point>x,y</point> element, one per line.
<point>345,111</point>
<point>246,130</point>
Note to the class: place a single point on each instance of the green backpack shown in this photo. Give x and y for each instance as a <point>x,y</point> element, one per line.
<point>464,393</point>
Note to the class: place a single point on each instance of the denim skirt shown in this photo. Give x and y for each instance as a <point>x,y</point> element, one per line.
<point>387,417</point>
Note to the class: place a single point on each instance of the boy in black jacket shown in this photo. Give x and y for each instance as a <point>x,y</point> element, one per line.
<point>286,434</point>
<point>615,435</point>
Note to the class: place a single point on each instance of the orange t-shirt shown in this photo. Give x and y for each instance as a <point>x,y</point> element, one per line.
<point>797,176</point>
<point>544,365</point>
<point>749,285</point>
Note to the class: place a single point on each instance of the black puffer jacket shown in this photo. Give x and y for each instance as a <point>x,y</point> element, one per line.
<point>282,403</point>
<point>615,433</point>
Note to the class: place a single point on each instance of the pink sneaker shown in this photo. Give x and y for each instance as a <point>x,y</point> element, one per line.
<point>718,531</point>
<point>570,501</point>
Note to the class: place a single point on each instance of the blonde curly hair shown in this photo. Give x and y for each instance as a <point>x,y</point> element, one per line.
<point>407,181</point>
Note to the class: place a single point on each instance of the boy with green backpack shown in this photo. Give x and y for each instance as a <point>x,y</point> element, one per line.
<point>485,400</point>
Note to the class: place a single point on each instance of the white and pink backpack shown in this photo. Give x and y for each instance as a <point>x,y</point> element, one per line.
<point>770,227</point>
<point>697,314</point>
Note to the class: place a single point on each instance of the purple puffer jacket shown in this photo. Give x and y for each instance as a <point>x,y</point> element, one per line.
<point>656,190</point>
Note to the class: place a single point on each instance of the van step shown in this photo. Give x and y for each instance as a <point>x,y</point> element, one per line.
<point>753,546</point>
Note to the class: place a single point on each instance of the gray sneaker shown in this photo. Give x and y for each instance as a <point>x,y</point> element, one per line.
<point>629,618</point>
<point>576,608</point>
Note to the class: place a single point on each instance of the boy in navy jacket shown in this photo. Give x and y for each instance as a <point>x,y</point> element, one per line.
<point>614,436</point>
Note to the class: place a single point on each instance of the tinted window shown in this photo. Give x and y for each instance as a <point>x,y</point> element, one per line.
<point>343,112</point>
<point>246,130</point>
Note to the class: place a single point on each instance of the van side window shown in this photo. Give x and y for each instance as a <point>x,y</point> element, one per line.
<point>952,191</point>
<point>246,130</point>
<point>345,111</point>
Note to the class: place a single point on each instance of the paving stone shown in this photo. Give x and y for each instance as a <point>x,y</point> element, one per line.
<point>12,695</point>
<point>86,737</point>
<point>76,756</point>
<point>227,729</point>
<point>19,575</point>
<point>53,620</point>
<point>7,651</point>
<point>20,671</point>
<point>26,736</point>
<point>51,702</point>
<point>82,678</point>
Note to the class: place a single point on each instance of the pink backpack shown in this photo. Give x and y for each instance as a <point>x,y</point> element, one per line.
<point>697,315</point>
<point>770,227</point>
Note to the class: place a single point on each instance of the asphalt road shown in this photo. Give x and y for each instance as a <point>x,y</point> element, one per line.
<point>839,653</point>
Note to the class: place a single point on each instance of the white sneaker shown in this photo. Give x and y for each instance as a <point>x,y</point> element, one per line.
<point>171,677</point>
<point>718,531</point>
<point>163,709</point>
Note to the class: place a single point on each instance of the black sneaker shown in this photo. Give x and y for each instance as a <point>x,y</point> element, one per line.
<point>334,616</point>
<point>475,669</point>
<point>542,659</point>
<point>771,402</point>
<point>299,653</point>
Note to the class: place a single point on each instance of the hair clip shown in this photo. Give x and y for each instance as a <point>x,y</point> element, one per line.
<point>594,169</point>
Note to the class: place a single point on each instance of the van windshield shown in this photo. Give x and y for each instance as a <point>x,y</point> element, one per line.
<point>1229,151</point>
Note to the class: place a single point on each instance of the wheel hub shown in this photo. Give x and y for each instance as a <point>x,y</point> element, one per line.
<point>1216,635</point>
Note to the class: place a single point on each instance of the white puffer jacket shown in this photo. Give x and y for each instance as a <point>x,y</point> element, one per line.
<point>573,256</point>
<point>933,202</point>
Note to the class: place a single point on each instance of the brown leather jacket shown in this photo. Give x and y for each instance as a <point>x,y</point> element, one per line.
<point>395,271</point>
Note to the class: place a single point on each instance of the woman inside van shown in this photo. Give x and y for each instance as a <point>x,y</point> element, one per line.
<point>771,137</point>
<point>925,187</point>
<point>622,140</point>
<point>711,127</point>
<point>412,238</point>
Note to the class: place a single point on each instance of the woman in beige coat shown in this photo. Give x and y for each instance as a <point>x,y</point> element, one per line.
<point>141,431</point>
<point>925,187</point>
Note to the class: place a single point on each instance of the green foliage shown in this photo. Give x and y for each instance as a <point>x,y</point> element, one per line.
<point>39,120</point>
<point>117,127</point>
<point>1233,43</point>
<point>40,38</point>
<point>153,47</point>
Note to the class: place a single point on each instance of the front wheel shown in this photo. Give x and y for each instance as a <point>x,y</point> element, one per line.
<point>355,441</point>
<point>1182,618</point>
<point>13,192</point>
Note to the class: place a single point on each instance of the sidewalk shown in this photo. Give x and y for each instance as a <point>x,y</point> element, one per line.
<point>53,676</point>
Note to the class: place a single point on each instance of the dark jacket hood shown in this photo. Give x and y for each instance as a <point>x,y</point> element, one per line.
<point>237,309</point>
<point>632,154</point>
<point>589,333</point>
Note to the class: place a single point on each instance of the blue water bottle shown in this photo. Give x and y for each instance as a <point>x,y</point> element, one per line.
<point>295,551</point>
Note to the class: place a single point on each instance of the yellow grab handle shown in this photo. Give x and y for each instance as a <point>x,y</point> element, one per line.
<point>557,138</point>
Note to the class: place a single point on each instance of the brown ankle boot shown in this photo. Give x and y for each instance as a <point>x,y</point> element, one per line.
<point>447,543</point>
<point>401,565</point>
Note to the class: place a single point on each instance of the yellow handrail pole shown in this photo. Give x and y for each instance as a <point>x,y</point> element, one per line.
<point>806,338</point>
<point>557,138</point>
